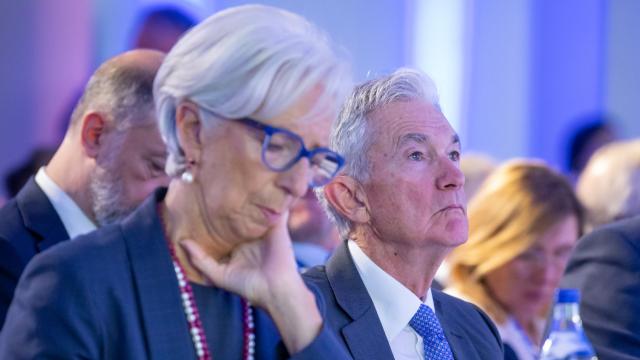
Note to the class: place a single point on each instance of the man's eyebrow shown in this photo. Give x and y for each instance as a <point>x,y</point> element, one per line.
<point>412,137</point>
<point>423,139</point>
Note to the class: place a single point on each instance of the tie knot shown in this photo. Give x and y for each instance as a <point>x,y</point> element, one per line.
<point>426,324</point>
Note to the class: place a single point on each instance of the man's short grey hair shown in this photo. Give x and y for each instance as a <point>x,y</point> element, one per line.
<point>122,92</point>
<point>609,186</point>
<point>350,136</point>
<point>249,60</point>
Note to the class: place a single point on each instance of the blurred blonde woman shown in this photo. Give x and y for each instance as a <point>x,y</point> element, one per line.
<point>523,225</point>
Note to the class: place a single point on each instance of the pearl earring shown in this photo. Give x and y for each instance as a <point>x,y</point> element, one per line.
<point>187,177</point>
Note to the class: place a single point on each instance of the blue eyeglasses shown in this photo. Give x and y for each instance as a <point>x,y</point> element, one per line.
<point>282,149</point>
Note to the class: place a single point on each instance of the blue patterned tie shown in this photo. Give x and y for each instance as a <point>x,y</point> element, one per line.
<point>425,323</point>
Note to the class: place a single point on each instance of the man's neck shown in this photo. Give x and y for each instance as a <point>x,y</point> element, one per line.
<point>413,266</point>
<point>70,173</point>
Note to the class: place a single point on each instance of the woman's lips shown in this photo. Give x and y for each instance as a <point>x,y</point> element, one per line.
<point>272,216</point>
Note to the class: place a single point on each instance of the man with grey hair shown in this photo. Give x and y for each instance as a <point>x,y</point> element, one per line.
<point>111,158</point>
<point>399,204</point>
<point>606,262</point>
<point>609,185</point>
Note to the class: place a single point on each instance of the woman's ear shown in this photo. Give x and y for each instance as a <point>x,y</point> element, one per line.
<point>189,127</point>
<point>346,195</point>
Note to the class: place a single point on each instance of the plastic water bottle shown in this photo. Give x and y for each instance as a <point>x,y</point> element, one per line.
<point>566,340</point>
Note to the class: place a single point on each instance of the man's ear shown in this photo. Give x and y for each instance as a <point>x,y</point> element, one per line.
<point>346,195</point>
<point>94,129</point>
<point>188,127</point>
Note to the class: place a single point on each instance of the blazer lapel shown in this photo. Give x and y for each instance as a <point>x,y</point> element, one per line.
<point>157,288</point>
<point>460,346</point>
<point>364,336</point>
<point>40,217</point>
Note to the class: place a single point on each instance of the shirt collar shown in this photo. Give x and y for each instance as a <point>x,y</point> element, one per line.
<point>394,303</point>
<point>75,221</point>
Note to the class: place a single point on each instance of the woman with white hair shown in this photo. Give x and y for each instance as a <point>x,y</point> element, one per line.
<point>245,102</point>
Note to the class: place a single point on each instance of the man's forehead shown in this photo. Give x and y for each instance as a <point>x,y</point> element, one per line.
<point>412,121</point>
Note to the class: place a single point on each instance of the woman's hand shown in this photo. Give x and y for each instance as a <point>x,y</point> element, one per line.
<point>265,273</point>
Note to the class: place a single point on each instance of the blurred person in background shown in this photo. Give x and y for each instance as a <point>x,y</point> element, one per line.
<point>204,268</point>
<point>605,267</point>
<point>16,178</point>
<point>160,28</point>
<point>523,224</point>
<point>594,131</point>
<point>476,167</point>
<point>111,158</point>
<point>609,186</point>
<point>606,262</point>
<point>314,236</point>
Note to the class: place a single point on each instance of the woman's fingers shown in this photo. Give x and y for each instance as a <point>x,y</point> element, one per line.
<point>207,265</point>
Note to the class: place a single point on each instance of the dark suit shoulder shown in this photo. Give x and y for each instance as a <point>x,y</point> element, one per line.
<point>92,250</point>
<point>30,222</point>
<point>316,280</point>
<point>464,308</point>
<point>475,323</point>
<point>68,285</point>
<point>17,247</point>
<point>315,274</point>
<point>605,267</point>
<point>14,233</point>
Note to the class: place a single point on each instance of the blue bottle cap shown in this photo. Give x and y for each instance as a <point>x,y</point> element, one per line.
<point>567,296</point>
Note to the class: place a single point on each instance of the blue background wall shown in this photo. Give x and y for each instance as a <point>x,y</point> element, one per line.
<point>513,74</point>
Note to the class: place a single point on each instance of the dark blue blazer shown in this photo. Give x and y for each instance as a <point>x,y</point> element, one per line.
<point>350,312</point>
<point>605,266</point>
<point>113,294</point>
<point>28,225</point>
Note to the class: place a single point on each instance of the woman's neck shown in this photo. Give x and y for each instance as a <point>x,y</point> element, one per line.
<point>181,221</point>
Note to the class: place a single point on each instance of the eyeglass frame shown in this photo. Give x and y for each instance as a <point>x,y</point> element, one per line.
<point>304,152</point>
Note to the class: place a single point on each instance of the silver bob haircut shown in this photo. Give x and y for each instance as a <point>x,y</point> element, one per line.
<point>249,60</point>
<point>350,136</point>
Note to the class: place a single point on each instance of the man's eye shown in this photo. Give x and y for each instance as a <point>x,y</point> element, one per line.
<point>454,155</point>
<point>416,156</point>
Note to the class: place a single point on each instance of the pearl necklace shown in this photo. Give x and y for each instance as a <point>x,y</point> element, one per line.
<point>193,316</point>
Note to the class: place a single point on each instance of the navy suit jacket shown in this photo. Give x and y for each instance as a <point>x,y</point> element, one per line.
<point>28,225</point>
<point>605,266</point>
<point>350,312</point>
<point>113,294</point>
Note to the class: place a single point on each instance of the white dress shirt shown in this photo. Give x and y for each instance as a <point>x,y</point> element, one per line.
<point>75,221</point>
<point>395,305</point>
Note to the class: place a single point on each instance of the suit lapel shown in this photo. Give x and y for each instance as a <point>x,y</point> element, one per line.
<point>460,346</point>
<point>364,336</point>
<point>40,217</point>
<point>157,288</point>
